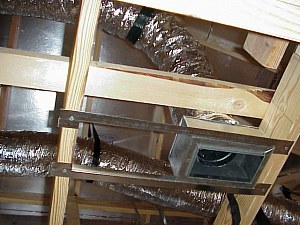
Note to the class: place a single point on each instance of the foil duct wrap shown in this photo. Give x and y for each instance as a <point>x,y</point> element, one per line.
<point>203,203</point>
<point>31,153</point>
<point>178,113</point>
<point>66,11</point>
<point>164,40</point>
<point>121,159</point>
<point>281,211</point>
<point>116,19</point>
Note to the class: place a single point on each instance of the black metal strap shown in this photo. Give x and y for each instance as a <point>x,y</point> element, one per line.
<point>235,211</point>
<point>261,218</point>
<point>136,30</point>
<point>97,144</point>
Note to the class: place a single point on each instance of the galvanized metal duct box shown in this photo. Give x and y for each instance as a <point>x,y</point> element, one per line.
<point>217,161</point>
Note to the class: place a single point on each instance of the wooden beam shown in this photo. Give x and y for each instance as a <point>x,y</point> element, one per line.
<point>127,83</point>
<point>4,97</point>
<point>72,211</point>
<point>273,17</point>
<point>266,50</point>
<point>281,121</point>
<point>74,92</point>
<point>13,38</point>
<point>156,139</point>
<point>90,204</point>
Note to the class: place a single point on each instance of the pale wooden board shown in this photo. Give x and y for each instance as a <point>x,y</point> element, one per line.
<point>89,204</point>
<point>105,80</point>
<point>298,50</point>
<point>13,38</point>
<point>266,50</point>
<point>272,17</point>
<point>74,93</point>
<point>156,139</point>
<point>72,211</point>
<point>281,121</point>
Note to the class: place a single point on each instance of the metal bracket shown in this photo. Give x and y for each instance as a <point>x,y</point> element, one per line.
<point>80,172</point>
<point>71,119</point>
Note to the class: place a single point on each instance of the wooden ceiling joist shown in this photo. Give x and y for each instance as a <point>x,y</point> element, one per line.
<point>44,72</point>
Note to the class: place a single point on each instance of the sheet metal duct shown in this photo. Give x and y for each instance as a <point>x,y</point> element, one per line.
<point>222,161</point>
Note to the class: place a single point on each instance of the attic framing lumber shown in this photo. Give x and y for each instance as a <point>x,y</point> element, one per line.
<point>89,204</point>
<point>281,121</point>
<point>277,18</point>
<point>127,83</point>
<point>74,93</point>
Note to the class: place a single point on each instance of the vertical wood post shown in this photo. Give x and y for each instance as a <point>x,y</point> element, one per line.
<point>75,87</point>
<point>13,38</point>
<point>282,121</point>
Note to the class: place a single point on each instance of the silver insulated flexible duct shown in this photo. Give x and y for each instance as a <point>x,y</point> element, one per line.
<point>171,48</point>
<point>31,154</point>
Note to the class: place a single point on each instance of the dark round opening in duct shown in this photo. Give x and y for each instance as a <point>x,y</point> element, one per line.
<point>214,158</point>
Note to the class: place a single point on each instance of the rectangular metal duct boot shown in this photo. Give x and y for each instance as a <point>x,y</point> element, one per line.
<point>217,161</point>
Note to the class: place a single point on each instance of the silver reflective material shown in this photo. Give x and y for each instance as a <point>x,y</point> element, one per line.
<point>199,202</point>
<point>280,210</point>
<point>170,46</point>
<point>117,18</point>
<point>59,10</point>
<point>167,43</point>
<point>178,113</point>
<point>120,159</point>
<point>202,203</point>
<point>31,153</point>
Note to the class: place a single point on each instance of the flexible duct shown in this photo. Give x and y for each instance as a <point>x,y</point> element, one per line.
<point>164,40</point>
<point>168,45</point>
<point>31,154</point>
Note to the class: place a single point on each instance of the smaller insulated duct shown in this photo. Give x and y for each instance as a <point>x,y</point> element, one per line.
<point>166,42</point>
<point>31,154</point>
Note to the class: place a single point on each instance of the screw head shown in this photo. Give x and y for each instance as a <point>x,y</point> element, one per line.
<point>64,170</point>
<point>71,118</point>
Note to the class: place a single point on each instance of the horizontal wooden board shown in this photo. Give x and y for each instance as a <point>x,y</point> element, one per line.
<point>273,17</point>
<point>89,204</point>
<point>45,72</point>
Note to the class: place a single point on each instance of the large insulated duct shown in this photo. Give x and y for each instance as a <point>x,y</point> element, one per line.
<point>31,154</point>
<point>171,48</point>
<point>163,39</point>
<point>166,42</point>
